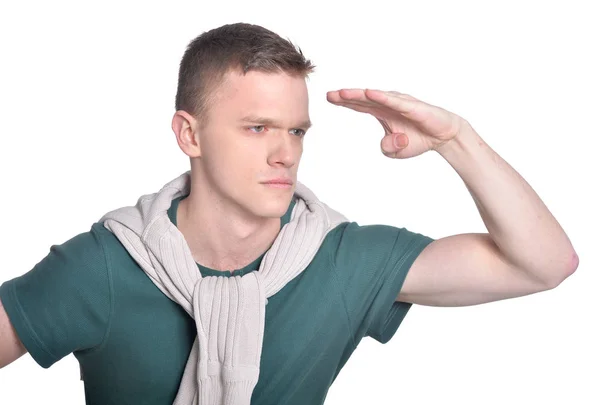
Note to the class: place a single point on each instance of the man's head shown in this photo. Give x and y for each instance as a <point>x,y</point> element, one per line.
<point>242,110</point>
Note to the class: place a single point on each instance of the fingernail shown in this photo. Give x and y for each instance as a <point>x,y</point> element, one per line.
<point>399,141</point>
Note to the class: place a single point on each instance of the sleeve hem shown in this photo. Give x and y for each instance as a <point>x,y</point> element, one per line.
<point>25,331</point>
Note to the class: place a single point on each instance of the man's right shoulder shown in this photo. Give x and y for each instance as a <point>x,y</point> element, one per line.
<point>63,303</point>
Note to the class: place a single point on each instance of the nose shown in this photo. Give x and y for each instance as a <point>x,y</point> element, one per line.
<point>285,150</point>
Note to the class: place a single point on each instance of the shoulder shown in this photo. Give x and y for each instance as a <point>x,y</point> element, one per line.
<point>83,255</point>
<point>72,269</point>
<point>376,243</point>
<point>86,246</point>
<point>63,303</point>
<point>73,257</point>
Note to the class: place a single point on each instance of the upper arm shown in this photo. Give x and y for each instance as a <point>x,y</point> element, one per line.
<point>465,269</point>
<point>11,347</point>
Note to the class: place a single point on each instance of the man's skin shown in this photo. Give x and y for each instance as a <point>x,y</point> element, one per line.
<point>253,132</point>
<point>11,347</point>
<point>231,157</point>
<point>525,251</point>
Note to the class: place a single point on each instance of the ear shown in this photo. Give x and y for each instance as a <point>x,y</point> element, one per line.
<point>185,127</point>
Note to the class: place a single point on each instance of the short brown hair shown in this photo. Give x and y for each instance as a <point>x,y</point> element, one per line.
<point>243,47</point>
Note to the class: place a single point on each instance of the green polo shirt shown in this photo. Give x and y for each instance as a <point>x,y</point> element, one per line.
<point>89,297</point>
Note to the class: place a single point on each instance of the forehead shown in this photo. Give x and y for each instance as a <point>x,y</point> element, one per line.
<point>265,93</point>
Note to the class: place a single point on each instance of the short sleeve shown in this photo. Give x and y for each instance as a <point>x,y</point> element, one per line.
<point>62,305</point>
<point>372,263</point>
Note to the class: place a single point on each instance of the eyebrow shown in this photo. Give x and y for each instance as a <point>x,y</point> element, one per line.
<point>270,122</point>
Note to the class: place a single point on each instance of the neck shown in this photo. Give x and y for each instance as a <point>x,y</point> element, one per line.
<point>227,241</point>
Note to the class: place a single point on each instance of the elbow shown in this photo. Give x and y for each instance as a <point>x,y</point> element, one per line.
<point>566,270</point>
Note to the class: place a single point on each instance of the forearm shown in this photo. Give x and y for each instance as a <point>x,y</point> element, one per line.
<point>518,221</point>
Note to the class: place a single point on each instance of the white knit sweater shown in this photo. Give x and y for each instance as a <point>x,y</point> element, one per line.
<point>224,363</point>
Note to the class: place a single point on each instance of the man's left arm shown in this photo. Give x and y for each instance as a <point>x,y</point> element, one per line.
<point>526,250</point>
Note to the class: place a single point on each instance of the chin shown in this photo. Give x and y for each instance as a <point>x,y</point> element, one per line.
<point>272,207</point>
<point>274,211</point>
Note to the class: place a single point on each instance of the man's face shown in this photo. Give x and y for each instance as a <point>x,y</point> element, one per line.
<point>253,134</point>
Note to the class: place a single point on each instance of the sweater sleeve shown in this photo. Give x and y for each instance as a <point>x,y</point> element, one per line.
<point>62,305</point>
<point>372,263</point>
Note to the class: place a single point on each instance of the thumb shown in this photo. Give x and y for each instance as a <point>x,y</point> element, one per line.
<point>393,143</point>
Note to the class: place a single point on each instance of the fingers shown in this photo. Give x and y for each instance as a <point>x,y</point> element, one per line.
<point>371,108</point>
<point>402,95</point>
<point>405,104</point>
<point>357,107</point>
<point>349,95</point>
<point>360,95</point>
<point>398,102</point>
<point>356,100</point>
<point>342,95</point>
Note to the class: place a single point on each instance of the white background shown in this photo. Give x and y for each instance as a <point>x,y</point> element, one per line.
<point>86,100</point>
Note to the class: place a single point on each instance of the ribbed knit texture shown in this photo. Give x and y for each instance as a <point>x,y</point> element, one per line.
<point>229,312</point>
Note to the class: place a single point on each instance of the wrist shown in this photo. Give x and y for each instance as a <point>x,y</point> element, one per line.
<point>466,142</point>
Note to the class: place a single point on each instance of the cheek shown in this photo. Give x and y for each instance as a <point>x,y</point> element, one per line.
<point>235,162</point>
<point>233,158</point>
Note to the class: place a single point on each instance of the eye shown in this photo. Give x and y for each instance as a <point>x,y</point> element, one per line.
<point>300,132</point>
<point>260,129</point>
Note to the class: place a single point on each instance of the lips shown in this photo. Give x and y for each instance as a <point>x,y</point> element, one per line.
<point>279,181</point>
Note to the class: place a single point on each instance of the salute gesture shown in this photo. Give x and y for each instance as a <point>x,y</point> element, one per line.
<point>411,126</point>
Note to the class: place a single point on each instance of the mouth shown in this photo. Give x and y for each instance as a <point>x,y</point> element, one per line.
<point>279,183</point>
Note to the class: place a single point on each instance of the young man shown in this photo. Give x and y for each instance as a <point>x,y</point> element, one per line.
<point>121,297</point>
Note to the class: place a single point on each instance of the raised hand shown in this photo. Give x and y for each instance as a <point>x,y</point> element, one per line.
<point>411,126</point>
